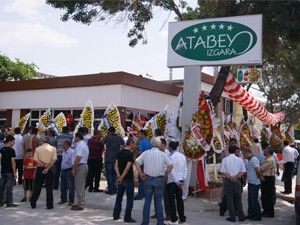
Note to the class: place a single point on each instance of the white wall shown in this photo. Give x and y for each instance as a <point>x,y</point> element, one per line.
<point>76,97</point>
<point>138,98</point>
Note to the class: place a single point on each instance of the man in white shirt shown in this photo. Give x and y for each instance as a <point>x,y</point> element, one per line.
<point>19,150</point>
<point>176,181</point>
<point>288,167</point>
<point>233,168</point>
<point>154,162</point>
<point>80,169</point>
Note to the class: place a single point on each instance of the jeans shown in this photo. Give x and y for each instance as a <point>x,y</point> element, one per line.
<point>254,211</point>
<point>153,185</point>
<point>111,177</point>
<point>94,174</point>
<point>175,192</point>
<point>128,186</point>
<point>57,170</point>
<point>6,188</point>
<point>67,184</point>
<point>39,180</point>
<point>19,165</point>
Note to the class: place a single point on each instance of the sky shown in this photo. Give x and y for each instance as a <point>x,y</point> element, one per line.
<point>32,31</point>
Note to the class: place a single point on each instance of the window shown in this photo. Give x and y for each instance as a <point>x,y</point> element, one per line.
<point>228,106</point>
<point>2,117</point>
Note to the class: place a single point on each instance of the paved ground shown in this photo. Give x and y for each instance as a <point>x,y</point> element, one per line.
<point>99,210</point>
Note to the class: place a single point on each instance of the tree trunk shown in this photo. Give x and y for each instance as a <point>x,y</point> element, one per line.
<point>216,91</point>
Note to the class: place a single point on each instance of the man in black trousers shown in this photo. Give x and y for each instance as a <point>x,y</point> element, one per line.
<point>288,167</point>
<point>45,157</point>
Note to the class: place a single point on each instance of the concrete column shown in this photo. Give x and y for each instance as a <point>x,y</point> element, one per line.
<point>191,90</point>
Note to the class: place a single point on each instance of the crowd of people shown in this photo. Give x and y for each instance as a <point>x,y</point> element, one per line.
<point>257,166</point>
<point>74,163</point>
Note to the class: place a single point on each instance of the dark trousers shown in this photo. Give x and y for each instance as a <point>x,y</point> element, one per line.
<point>19,165</point>
<point>175,193</point>
<point>140,185</point>
<point>67,184</point>
<point>233,195</point>
<point>111,177</point>
<point>254,211</point>
<point>267,195</point>
<point>39,180</point>
<point>94,174</point>
<point>128,186</point>
<point>287,176</point>
<point>6,188</point>
<point>57,170</point>
<point>167,202</point>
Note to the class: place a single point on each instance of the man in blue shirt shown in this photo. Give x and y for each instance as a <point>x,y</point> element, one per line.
<point>144,145</point>
<point>253,176</point>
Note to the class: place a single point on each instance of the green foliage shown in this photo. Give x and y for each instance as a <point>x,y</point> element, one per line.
<point>16,70</point>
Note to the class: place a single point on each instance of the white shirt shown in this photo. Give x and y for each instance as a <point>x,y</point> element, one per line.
<point>154,162</point>
<point>232,165</point>
<point>82,150</point>
<point>296,153</point>
<point>18,147</point>
<point>179,171</point>
<point>288,154</point>
<point>86,138</point>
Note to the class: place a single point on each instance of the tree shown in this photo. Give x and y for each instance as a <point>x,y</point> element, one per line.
<point>281,26</point>
<point>16,69</point>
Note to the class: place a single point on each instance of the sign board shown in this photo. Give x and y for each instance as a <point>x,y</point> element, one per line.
<point>249,75</point>
<point>217,41</point>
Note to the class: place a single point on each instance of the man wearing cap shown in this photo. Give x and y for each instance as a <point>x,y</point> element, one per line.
<point>45,157</point>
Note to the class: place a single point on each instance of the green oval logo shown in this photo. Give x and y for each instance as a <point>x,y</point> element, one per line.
<point>212,41</point>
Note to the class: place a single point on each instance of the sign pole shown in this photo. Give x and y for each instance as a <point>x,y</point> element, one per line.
<point>191,90</point>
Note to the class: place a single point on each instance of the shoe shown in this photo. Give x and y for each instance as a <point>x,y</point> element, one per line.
<point>247,217</point>
<point>222,214</point>
<point>1,204</point>
<point>91,189</point>
<point>71,203</point>
<point>109,193</point>
<point>231,220</point>
<point>76,207</point>
<point>98,190</point>
<point>11,205</point>
<point>176,222</point>
<point>255,219</point>
<point>23,200</point>
<point>242,219</point>
<point>153,217</point>
<point>137,197</point>
<point>267,215</point>
<point>33,206</point>
<point>51,207</point>
<point>167,218</point>
<point>285,192</point>
<point>117,218</point>
<point>130,221</point>
<point>61,202</point>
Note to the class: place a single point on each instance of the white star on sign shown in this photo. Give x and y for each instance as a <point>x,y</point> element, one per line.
<point>213,27</point>
<point>204,27</point>
<point>229,27</point>
<point>195,30</point>
<point>221,27</point>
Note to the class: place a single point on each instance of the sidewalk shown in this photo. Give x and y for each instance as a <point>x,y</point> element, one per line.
<point>99,207</point>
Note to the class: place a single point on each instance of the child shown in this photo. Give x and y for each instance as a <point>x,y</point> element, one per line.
<point>29,170</point>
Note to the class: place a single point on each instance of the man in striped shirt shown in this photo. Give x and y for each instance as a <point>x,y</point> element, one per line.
<point>154,162</point>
